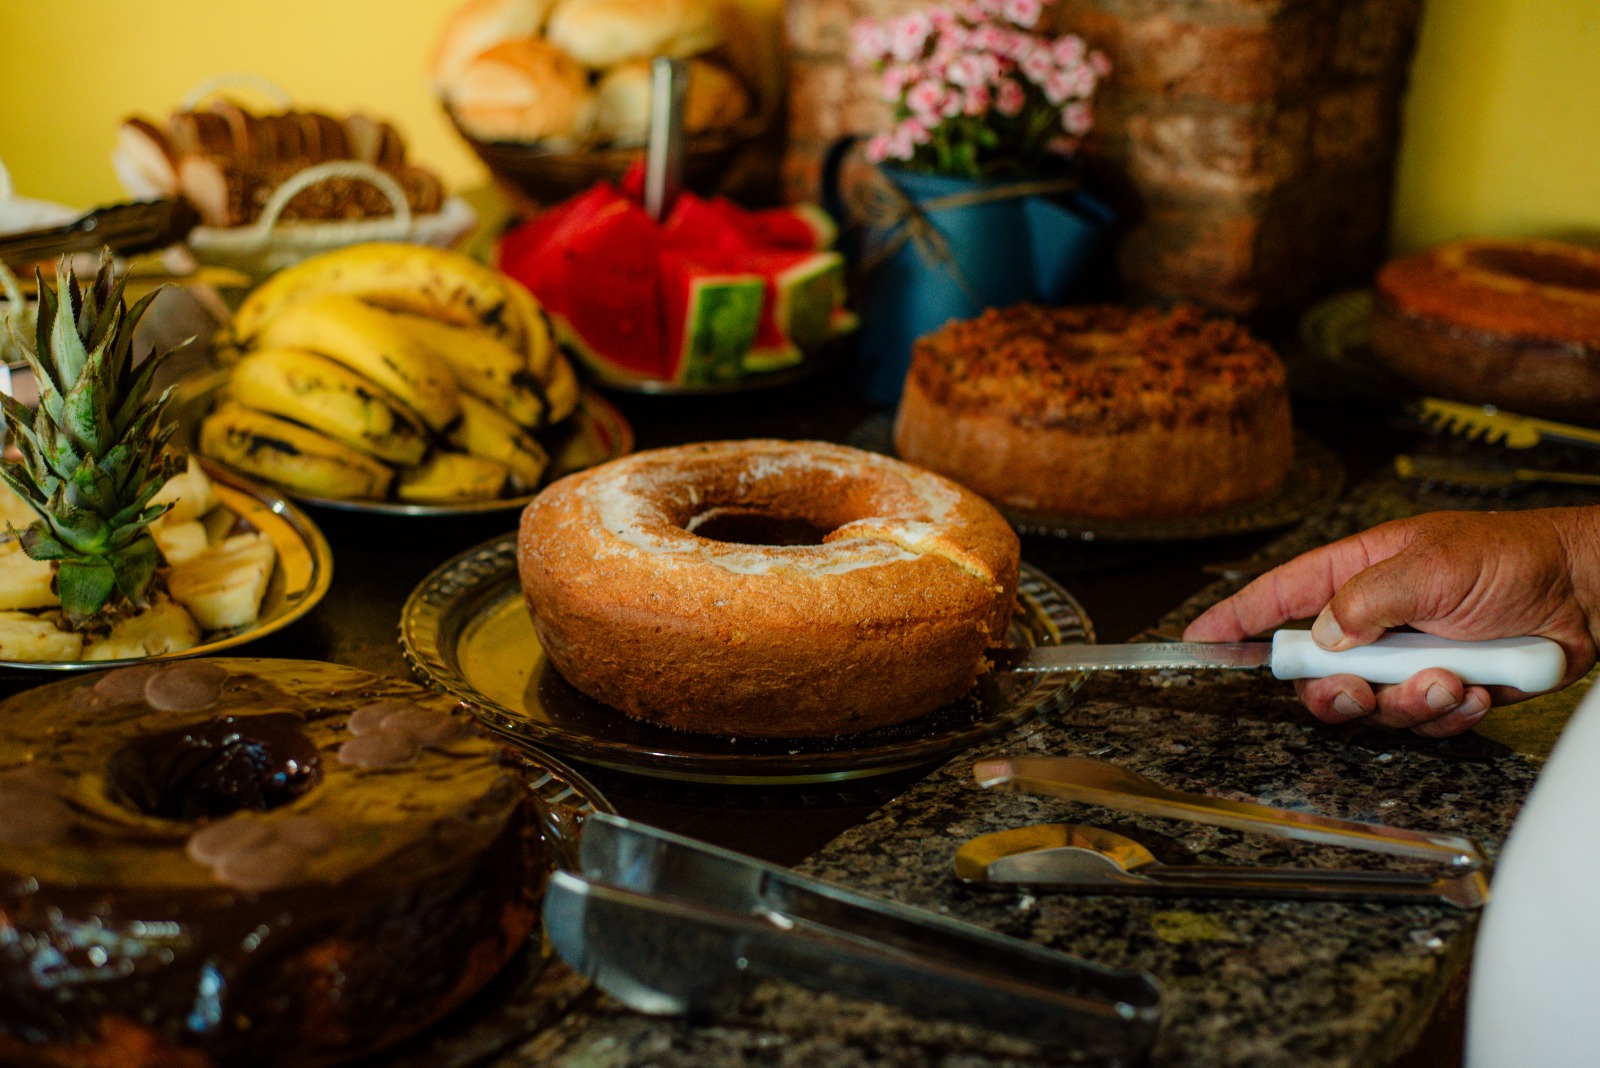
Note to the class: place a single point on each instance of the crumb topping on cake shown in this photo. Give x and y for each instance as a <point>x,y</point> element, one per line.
<point>1103,365</point>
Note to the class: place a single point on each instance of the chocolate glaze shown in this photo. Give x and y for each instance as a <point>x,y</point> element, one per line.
<point>119,939</point>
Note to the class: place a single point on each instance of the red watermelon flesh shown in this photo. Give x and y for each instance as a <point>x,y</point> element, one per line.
<point>596,272</point>
<point>804,227</point>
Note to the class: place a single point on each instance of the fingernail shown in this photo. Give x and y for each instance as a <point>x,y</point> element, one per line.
<point>1346,706</point>
<point>1440,699</point>
<point>1326,631</point>
<point>1472,708</point>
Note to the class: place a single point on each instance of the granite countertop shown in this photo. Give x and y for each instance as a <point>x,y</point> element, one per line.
<point>1257,983</point>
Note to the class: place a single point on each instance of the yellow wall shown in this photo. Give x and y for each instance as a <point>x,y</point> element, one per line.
<point>1502,125</point>
<point>1502,132</point>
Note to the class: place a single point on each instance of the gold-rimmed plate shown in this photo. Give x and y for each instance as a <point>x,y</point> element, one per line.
<point>466,631</point>
<point>596,432</point>
<point>301,573</point>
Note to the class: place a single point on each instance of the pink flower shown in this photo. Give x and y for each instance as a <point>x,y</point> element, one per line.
<point>877,149</point>
<point>868,43</point>
<point>908,34</point>
<point>976,100</point>
<point>895,80</point>
<point>1023,12</point>
<point>1009,97</point>
<point>964,70</point>
<point>1058,88</point>
<point>987,38</point>
<point>942,18</point>
<point>952,103</point>
<point>1100,63</point>
<point>949,43</point>
<point>914,131</point>
<point>992,8</point>
<point>1037,63</point>
<point>924,98</point>
<point>969,12</point>
<point>1083,80</point>
<point>900,146</point>
<point>1077,119</point>
<point>1068,51</point>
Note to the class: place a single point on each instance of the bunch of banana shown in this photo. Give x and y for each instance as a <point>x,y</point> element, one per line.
<point>389,370</point>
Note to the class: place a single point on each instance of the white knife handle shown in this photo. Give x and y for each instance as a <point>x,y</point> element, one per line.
<point>1532,665</point>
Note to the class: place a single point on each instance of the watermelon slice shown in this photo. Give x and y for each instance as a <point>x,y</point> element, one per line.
<point>803,290</point>
<point>712,316</point>
<point>804,227</point>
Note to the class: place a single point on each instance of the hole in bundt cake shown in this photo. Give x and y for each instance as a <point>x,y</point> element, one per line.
<point>1542,268</point>
<point>745,527</point>
<point>217,766</point>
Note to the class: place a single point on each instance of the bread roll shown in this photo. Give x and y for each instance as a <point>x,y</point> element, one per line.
<point>715,100</point>
<point>603,33</point>
<point>523,90</point>
<point>478,26</point>
<point>144,160</point>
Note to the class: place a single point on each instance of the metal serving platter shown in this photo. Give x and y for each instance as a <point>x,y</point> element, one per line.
<point>1315,481</point>
<point>300,576</point>
<point>466,630</point>
<point>595,433</point>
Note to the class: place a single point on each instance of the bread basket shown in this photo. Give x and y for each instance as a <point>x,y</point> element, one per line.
<point>546,174</point>
<point>270,243</point>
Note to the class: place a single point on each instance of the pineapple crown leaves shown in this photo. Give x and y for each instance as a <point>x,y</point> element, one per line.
<point>93,452</point>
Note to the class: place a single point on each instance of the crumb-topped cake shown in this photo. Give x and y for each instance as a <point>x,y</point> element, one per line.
<point>1102,412</point>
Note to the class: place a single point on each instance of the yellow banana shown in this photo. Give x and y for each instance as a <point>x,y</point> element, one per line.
<point>560,390</point>
<point>483,367</point>
<point>299,459</point>
<point>486,432</point>
<point>373,343</point>
<point>539,347</point>
<point>416,278</point>
<point>453,476</point>
<point>329,397</point>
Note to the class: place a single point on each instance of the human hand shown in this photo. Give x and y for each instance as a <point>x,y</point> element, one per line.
<point>1469,576</point>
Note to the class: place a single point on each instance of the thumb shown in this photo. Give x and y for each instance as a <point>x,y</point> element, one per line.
<point>1390,593</point>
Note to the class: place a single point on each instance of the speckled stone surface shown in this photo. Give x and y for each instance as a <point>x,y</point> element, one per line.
<point>1257,983</point>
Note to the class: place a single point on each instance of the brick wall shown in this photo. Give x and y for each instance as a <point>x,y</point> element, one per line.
<point>1248,145</point>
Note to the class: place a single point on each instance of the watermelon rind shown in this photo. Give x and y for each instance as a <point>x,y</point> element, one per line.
<point>720,314</point>
<point>806,296</point>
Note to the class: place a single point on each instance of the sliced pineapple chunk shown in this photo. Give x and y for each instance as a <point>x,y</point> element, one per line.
<point>36,638</point>
<point>190,493</point>
<point>24,581</point>
<point>180,542</point>
<point>164,627</point>
<point>223,586</point>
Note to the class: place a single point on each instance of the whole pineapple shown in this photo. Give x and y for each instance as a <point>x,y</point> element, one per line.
<point>93,452</point>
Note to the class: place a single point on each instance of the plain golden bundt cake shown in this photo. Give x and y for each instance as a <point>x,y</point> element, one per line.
<point>766,588</point>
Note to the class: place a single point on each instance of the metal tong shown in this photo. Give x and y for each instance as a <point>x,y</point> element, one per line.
<point>1072,857</point>
<point>666,924</point>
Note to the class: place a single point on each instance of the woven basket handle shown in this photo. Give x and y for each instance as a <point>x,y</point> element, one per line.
<point>265,86</point>
<point>301,180</point>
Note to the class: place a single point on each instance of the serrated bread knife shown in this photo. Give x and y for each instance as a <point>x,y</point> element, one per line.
<point>1529,664</point>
